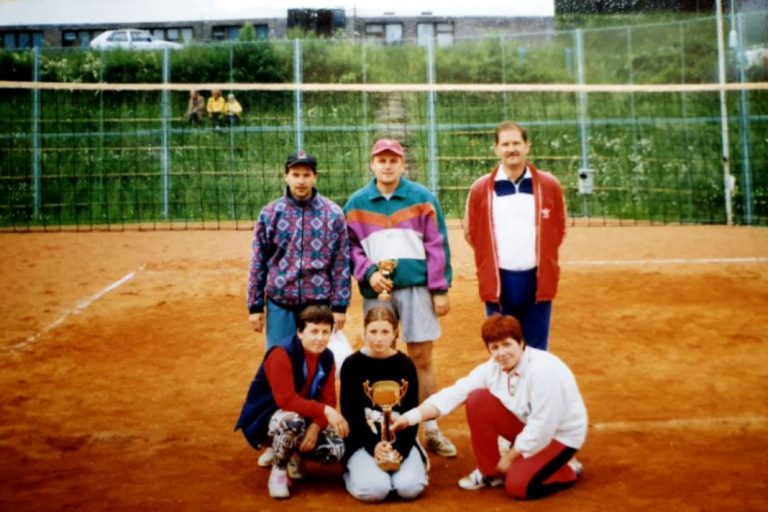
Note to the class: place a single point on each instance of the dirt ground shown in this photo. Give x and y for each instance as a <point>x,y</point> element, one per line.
<point>126,356</point>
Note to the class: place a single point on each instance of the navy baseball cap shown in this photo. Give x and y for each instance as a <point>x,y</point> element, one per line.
<point>301,157</point>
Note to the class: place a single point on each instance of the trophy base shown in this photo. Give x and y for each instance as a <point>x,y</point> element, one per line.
<point>385,297</point>
<point>389,465</point>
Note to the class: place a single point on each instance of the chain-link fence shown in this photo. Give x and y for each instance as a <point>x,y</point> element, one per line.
<point>80,151</point>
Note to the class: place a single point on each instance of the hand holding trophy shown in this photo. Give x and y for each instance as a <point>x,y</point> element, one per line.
<point>386,394</point>
<point>387,269</point>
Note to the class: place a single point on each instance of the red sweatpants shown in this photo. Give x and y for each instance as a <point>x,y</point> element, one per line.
<point>534,477</point>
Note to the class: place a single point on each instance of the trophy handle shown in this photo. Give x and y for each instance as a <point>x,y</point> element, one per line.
<point>368,389</point>
<point>403,388</point>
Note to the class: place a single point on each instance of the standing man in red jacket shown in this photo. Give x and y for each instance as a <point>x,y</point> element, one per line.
<point>515,223</point>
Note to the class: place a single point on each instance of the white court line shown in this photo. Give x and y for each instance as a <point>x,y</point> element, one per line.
<point>667,261</point>
<point>683,424</point>
<point>75,311</point>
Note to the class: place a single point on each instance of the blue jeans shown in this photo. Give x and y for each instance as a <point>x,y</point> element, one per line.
<point>518,299</point>
<point>281,324</point>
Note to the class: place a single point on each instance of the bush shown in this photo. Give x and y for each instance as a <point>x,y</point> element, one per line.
<point>15,65</point>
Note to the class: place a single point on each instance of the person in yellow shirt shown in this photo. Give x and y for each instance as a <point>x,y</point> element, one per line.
<point>232,111</point>
<point>216,108</point>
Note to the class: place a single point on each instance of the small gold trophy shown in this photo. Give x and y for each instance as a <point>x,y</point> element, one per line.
<point>387,269</point>
<point>386,394</point>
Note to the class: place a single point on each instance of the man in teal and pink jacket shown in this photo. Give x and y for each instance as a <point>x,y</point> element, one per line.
<point>393,218</point>
<point>515,222</point>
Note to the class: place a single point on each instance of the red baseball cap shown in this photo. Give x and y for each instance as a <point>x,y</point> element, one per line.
<point>383,145</point>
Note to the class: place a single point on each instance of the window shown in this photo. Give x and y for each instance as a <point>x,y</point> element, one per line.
<point>425,32</point>
<point>389,33</point>
<point>23,39</point>
<point>394,33</point>
<point>444,34</point>
<point>69,38</point>
<point>374,31</point>
<point>262,31</point>
<point>85,37</point>
<point>322,22</point>
<point>80,38</point>
<point>231,33</point>
<point>226,33</point>
<point>119,37</point>
<point>175,34</point>
<point>440,33</point>
<point>140,37</point>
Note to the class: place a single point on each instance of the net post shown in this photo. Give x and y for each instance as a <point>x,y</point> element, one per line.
<point>726,152</point>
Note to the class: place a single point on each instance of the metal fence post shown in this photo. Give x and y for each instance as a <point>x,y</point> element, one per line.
<point>231,63</point>
<point>631,67</point>
<point>36,150</point>
<point>366,126</point>
<point>165,152</point>
<point>431,121</point>
<point>583,108</point>
<point>684,105</point>
<point>504,75</point>
<point>745,123</point>
<point>297,108</point>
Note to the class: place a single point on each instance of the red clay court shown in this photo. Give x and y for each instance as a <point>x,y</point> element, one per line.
<point>126,356</point>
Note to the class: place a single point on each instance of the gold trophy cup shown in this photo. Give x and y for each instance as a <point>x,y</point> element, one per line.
<point>387,269</point>
<point>386,394</point>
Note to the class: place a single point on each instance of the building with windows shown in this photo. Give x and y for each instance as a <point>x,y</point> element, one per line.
<point>27,23</point>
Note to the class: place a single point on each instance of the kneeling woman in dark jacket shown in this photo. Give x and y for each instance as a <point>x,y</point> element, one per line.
<point>292,400</point>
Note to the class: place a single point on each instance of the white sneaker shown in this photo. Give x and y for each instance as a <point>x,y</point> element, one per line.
<point>295,471</point>
<point>576,466</point>
<point>439,444</point>
<point>266,458</point>
<point>278,483</point>
<point>476,480</point>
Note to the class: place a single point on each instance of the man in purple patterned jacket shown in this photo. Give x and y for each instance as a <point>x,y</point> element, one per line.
<point>300,255</point>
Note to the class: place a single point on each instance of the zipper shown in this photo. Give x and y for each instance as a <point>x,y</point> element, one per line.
<point>489,198</point>
<point>538,198</point>
<point>301,253</point>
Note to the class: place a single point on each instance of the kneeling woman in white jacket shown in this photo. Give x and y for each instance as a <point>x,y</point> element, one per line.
<point>525,395</point>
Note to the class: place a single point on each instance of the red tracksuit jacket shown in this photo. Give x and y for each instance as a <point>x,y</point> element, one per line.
<point>550,231</point>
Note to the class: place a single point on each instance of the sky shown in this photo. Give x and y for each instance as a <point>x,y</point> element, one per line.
<point>23,12</point>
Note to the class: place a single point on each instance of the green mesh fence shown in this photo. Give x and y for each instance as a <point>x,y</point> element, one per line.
<point>101,158</point>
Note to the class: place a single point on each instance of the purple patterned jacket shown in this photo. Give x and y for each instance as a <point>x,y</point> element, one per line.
<point>300,255</point>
